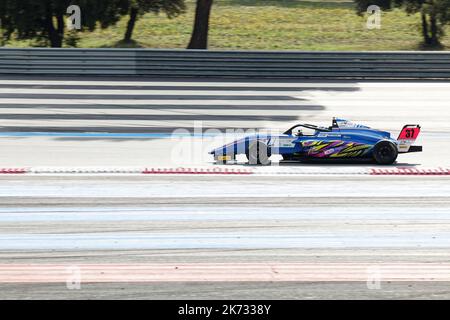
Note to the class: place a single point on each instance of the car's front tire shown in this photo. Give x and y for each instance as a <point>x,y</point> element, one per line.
<point>258,153</point>
<point>385,152</point>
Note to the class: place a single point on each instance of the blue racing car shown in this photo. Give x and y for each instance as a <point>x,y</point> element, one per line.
<point>343,140</point>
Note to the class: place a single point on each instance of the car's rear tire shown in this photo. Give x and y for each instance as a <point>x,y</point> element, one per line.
<point>258,153</point>
<point>385,152</point>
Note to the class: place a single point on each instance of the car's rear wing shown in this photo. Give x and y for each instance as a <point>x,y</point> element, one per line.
<point>407,137</point>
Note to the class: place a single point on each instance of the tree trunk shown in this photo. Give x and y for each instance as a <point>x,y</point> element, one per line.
<point>55,35</point>
<point>55,39</point>
<point>199,38</point>
<point>131,24</point>
<point>434,31</point>
<point>426,36</point>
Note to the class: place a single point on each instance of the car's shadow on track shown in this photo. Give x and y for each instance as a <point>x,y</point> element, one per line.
<point>346,163</point>
<point>330,163</point>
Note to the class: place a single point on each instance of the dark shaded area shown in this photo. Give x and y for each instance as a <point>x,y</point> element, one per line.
<point>223,122</point>
<point>289,3</point>
<point>165,106</point>
<point>109,129</point>
<point>44,21</point>
<point>157,117</point>
<point>144,78</point>
<point>360,161</point>
<point>140,97</point>
<point>180,88</point>
<point>123,44</point>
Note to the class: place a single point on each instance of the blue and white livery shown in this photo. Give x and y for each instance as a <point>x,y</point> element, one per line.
<point>343,140</point>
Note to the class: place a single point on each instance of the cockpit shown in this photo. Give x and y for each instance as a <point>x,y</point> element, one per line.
<point>305,129</point>
<point>300,130</point>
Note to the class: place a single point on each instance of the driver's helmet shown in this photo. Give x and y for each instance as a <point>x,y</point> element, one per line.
<point>299,132</point>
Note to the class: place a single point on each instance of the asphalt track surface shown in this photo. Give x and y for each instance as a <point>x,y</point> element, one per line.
<point>272,237</point>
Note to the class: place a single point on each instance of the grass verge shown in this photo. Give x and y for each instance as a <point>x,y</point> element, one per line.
<point>268,25</point>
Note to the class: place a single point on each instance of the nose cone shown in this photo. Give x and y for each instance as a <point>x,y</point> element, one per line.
<point>224,149</point>
<point>234,147</point>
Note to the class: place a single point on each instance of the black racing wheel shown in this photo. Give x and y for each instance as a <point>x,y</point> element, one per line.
<point>258,153</point>
<point>385,152</point>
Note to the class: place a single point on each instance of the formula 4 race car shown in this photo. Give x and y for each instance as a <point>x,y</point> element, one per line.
<point>343,140</point>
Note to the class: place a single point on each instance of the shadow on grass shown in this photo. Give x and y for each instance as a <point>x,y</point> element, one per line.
<point>123,44</point>
<point>426,47</point>
<point>332,4</point>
